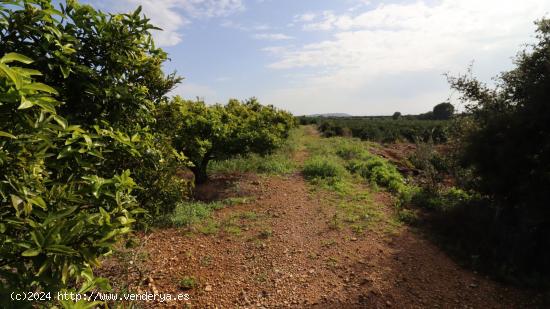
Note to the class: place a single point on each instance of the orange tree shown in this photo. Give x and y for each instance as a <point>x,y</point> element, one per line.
<point>57,215</point>
<point>217,132</point>
<point>108,73</point>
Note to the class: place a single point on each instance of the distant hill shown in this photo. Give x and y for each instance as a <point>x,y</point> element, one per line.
<point>330,115</point>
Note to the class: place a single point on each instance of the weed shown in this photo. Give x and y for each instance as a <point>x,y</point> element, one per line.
<point>233,229</point>
<point>187,283</point>
<point>407,215</point>
<point>261,277</point>
<point>206,260</point>
<point>265,234</point>
<point>332,262</point>
<point>328,243</point>
<point>319,167</point>
<point>335,222</point>
<point>232,201</point>
<point>248,215</point>
<point>208,227</point>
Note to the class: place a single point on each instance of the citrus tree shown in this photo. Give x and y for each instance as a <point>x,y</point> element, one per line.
<point>108,74</point>
<point>57,215</point>
<point>217,132</point>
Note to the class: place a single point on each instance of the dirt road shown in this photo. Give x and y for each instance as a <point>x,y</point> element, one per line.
<point>279,249</point>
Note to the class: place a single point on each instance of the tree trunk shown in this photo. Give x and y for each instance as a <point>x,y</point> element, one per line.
<point>200,171</point>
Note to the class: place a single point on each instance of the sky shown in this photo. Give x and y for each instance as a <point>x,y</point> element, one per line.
<point>336,56</point>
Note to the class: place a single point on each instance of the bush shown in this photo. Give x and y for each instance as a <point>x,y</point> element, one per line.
<point>378,171</point>
<point>350,151</point>
<point>323,168</point>
<point>58,213</point>
<point>507,148</point>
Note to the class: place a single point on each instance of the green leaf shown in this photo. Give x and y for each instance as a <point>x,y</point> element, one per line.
<point>61,121</point>
<point>55,31</point>
<point>38,201</point>
<point>65,71</point>
<point>16,201</point>
<point>31,252</point>
<point>40,87</point>
<point>37,237</point>
<point>6,134</point>
<point>88,140</point>
<point>46,103</point>
<point>25,103</point>
<point>11,74</point>
<point>28,72</point>
<point>61,249</point>
<point>10,57</point>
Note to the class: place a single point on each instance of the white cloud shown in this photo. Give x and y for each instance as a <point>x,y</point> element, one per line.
<point>173,15</point>
<point>238,26</point>
<point>305,17</point>
<point>407,38</point>
<point>271,36</point>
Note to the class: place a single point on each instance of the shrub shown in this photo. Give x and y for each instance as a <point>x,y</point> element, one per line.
<point>58,214</point>
<point>377,171</point>
<point>507,148</point>
<point>324,168</point>
<point>350,151</point>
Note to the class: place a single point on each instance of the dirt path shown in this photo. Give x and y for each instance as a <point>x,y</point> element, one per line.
<point>282,252</point>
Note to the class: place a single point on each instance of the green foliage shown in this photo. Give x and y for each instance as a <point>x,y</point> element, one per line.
<point>189,213</point>
<point>104,66</point>
<point>445,199</point>
<point>386,129</point>
<point>370,167</point>
<point>396,115</point>
<point>279,163</point>
<point>108,73</point>
<point>58,215</point>
<point>187,283</point>
<point>507,147</point>
<point>324,168</point>
<point>443,111</point>
<point>219,132</point>
<point>378,171</point>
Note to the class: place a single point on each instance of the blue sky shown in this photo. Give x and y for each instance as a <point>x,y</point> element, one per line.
<point>322,56</point>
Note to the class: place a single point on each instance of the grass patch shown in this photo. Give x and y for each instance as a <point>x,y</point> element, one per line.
<point>232,201</point>
<point>233,229</point>
<point>342,165</point>
<point>187,283</point>
<point>278,163</point>
<point>325,168</point>
<point>190,213</point>
<point>207,227</point>
<point>265,233</point>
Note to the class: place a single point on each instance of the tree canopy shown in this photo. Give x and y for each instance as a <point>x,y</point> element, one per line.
<point>217,132</point>
<point>507,145</point>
